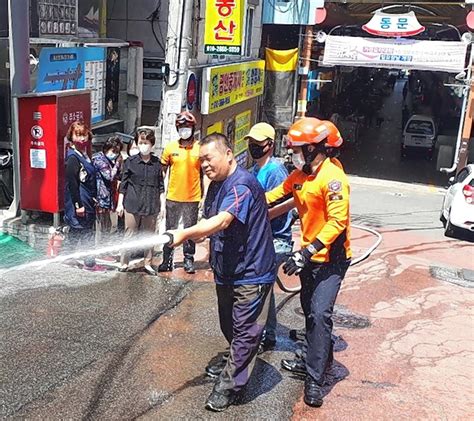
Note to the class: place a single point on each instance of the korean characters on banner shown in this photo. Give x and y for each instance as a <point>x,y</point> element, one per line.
<point>224,27</point>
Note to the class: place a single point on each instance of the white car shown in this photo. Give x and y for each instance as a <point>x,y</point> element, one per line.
<point>419,134</point>
<point>458,205</point>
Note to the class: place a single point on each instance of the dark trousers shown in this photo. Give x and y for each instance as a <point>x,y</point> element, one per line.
<point>243,311</point>
<point>320,285</point>
<point>189,212</point>
<point>83,237</point>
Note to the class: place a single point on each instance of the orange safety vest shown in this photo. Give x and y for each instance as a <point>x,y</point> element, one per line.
<point>322,201</point>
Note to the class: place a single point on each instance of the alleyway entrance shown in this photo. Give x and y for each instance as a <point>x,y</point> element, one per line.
<point>376,153</point>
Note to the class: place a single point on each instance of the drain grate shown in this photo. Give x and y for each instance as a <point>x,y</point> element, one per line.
<point>461,277</point>
<point>343,317</point>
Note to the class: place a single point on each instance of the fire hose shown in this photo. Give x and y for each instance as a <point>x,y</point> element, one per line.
<point>355,261</point>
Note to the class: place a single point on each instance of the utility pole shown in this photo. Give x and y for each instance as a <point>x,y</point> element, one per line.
<point>19,56</point>
<point>466,130</point>
<point>103,19</point>
<point>178,46</point>
<point>304,70</point>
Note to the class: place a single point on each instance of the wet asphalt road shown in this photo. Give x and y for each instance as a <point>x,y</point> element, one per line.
<point>98,349</point>
<point>63,325</point>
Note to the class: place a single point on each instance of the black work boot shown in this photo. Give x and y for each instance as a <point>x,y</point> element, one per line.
<point>189,265</point>
<point>167,264</point>
<point>313,394</point>
<point>220,401</point>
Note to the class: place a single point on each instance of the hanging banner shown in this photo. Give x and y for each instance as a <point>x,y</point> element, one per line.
<point>224,24</point>
<point>390,25</point>
<point>223,86</point>
<point>438,56</point>
<point>280,79</point>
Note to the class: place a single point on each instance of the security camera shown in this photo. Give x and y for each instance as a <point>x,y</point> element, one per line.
<point>460,76</point>
<point>321,37</point>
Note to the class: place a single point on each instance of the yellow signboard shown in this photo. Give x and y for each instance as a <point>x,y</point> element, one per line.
<point>215,128</point>
<point>242,128</point>
<point>224,27</point>
<point>228,85</point>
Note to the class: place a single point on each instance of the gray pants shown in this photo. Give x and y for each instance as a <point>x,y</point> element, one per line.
<point>243,311</point>
<point>134,224</point>
<point>189,212</point>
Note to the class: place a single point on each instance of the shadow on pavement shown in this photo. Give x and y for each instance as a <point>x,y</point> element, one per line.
<point>264,378</point>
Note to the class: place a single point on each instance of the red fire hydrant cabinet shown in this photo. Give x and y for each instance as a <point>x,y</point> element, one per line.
<point>44,120</point>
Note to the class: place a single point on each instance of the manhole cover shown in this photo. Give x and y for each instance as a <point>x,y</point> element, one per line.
<point>343,317</point>
<point>461,277</point>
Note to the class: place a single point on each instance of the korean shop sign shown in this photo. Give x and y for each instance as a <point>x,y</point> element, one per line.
<point>228,85</point>
<point>224,27</point>
<point>242,128</point>
<point>390,25</point>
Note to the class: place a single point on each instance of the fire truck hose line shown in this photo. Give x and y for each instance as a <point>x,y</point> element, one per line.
<point>357,260</point>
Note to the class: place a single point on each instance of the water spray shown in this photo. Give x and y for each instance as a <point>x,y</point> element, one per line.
<point>158,239</point>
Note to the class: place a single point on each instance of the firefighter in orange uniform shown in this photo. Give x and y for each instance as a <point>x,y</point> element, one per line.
<point>320,190</point>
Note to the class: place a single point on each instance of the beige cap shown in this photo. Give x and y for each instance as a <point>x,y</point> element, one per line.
<point>261,132</point>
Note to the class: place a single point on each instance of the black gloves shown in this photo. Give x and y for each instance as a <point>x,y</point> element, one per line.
<point>297,261</point>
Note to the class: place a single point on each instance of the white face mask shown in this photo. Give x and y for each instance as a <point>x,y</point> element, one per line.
<point>185,133</point>
<point>144,149</point>
<point>298,160</point>
<point>134,151</point>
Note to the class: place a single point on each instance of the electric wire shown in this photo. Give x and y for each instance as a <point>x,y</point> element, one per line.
<point>155,16</point>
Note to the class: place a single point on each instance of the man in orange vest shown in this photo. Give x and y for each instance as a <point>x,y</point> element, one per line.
<point>184,192</point>
<point>320,190</point>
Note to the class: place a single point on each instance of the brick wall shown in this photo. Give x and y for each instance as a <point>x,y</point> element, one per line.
<point>36,235</point>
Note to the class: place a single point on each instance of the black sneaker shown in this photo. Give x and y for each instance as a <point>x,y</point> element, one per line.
<point>296,366</point>
<point>220,401</point>
<point>215,369</point>
<point>266,345</point>
<point>297,334</point>
<point>189,265</point>
<point>313,394</point>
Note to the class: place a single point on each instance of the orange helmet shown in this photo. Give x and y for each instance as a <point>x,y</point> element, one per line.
<point>185,117</point>
<point>334,139</point>
<point>310,131</point>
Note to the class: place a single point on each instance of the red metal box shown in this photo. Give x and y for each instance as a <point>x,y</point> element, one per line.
<point>44,122</point>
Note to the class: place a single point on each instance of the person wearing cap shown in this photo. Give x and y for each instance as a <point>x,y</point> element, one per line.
<point>181,158</point>
<point>270,173</point>
<point>320,189</point>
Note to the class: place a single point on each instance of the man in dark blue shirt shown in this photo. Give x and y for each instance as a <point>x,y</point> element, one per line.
<point>242,258</point>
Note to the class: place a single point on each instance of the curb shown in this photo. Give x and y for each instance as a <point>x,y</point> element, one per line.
<point>364,181</point>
